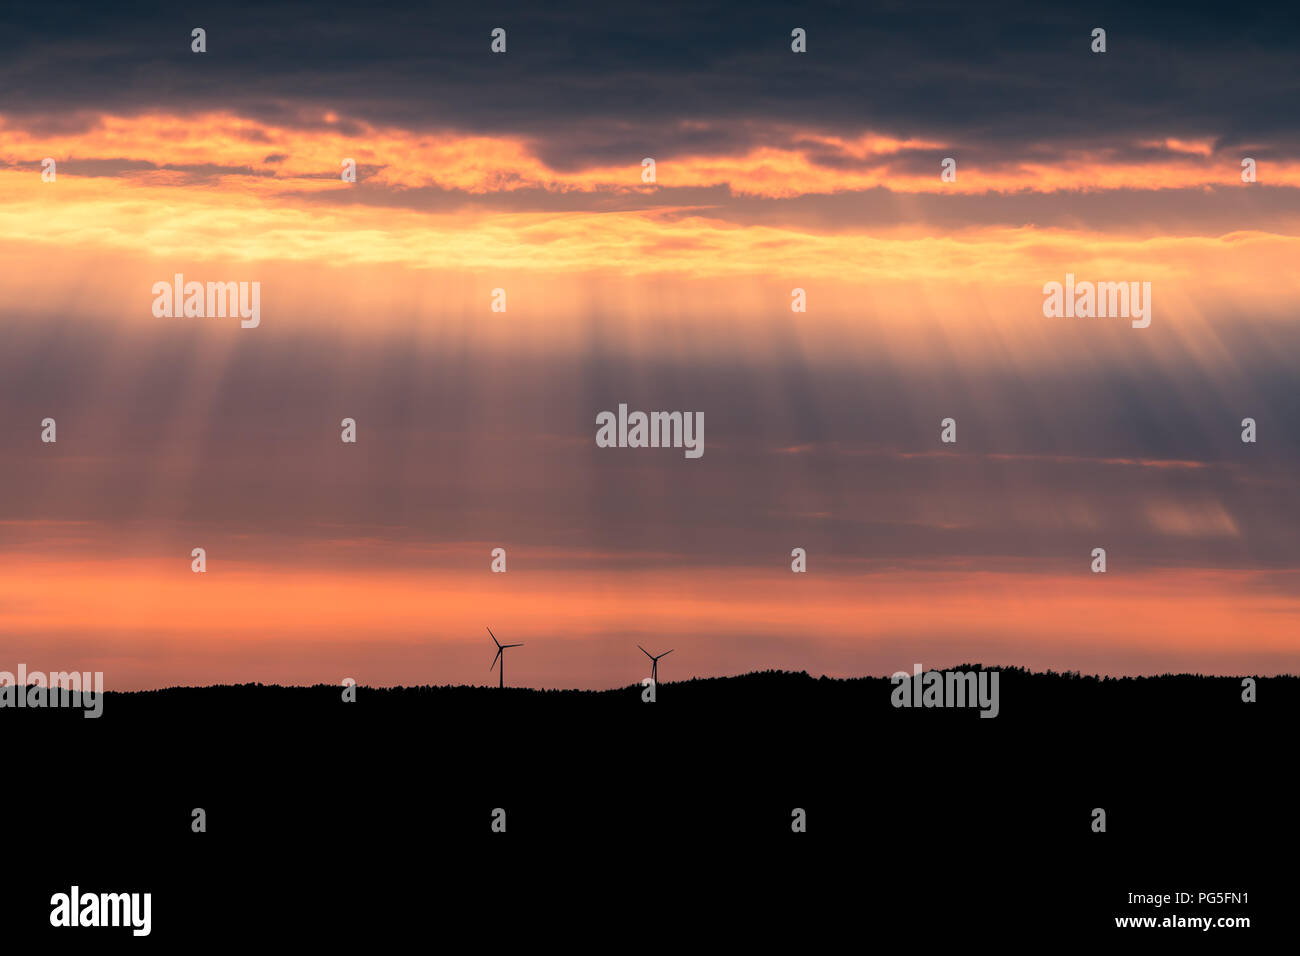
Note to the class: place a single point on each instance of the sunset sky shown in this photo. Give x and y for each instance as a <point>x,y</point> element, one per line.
<point>476,429</point>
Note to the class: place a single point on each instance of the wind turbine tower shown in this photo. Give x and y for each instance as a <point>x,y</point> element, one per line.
<point>501,656</point>
<point>654,663</point>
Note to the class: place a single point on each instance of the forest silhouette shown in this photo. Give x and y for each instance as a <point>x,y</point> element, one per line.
<point>975,811</point>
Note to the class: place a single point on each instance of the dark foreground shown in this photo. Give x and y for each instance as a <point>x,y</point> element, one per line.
<point>640,824</point>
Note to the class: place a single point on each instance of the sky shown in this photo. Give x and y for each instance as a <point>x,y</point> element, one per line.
<point>476,429</point>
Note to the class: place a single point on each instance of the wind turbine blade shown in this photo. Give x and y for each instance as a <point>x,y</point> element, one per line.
<point>512,645</point>
<point>646,653</point>
<point>494,660</point>
<point>494,638</point>
<point>665,653</point>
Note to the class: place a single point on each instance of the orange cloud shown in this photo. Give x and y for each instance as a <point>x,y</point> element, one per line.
<point>233,224</point>
<point>101,614</point>
<point>276,158</point>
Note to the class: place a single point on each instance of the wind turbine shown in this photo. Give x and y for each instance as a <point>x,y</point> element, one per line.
<point>501,648</point>
<point>654,663</point>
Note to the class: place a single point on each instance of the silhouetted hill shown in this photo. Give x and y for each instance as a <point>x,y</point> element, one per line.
<point>977,815</point>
